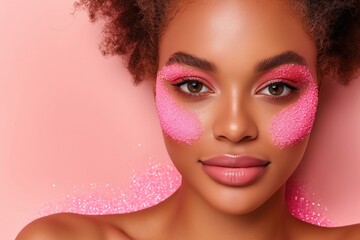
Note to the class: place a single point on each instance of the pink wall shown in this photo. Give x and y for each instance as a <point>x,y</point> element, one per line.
<point>71,121</point>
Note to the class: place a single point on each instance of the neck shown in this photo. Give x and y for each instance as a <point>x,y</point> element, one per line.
<point>193,218</point>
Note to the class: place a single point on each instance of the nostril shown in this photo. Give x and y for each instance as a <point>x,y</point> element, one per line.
<point>241,130</point>
<point>234,120</point>
<point>249,138</point>
<point>235,139</point>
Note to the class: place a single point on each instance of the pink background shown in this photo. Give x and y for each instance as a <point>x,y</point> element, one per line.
<point>71,118</point>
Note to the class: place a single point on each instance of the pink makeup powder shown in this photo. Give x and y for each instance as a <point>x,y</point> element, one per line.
<point>176,122</point>
<point>294,123</point>
<point>148,187</point>
<point>305,205</point>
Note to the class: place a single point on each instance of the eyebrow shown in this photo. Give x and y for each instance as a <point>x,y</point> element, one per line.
<point>190,60</point>
<point>262,66</point>
<point>278,60</point>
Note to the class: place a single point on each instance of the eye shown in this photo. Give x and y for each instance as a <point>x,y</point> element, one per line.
<point>192,87</point>
<point>277,89</point>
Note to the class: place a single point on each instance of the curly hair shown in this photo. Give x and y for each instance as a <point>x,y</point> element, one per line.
<point>133,30</point>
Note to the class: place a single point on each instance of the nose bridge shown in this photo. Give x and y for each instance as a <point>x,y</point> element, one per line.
<point>234,108</point>
<point>234,101</point>
<point>234,121</point>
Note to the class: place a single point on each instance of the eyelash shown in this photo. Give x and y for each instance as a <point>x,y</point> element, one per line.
<point>290,88</point>
<point>197,96</point>
<point>183,83</point>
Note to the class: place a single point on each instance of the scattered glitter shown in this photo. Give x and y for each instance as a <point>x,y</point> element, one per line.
<point>147,188</point>
<point>154,184</point>
<point>294,123</point>
<point>302,204</point>
<point>177,122</point>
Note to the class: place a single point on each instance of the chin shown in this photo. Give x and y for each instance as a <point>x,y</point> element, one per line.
<point>238,208</point>
<point>243,201</point>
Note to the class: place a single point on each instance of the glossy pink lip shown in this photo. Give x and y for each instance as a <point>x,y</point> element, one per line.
<point>237,171</point>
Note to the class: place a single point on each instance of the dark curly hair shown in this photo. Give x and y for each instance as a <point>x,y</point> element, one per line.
<point>133,29</point>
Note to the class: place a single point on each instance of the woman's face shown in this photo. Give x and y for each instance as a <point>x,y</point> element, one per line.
<point>236,95</point>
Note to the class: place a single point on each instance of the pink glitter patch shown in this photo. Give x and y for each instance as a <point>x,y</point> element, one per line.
<point>304,205</point>
<point>154,184</point>
<point>147,188</point>
<point>177,122</point>
<point>294,123</point>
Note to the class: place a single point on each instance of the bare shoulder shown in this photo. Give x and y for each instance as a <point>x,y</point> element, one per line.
<point>351,232</point>
<point>149,223</point>
<point>304,230</point>
<point>71,227</point>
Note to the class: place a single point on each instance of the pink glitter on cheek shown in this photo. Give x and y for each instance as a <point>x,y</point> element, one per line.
<point>177,122</point>
<point>294,123</point>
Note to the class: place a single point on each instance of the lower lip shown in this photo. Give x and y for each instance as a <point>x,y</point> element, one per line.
<point>237,177</point>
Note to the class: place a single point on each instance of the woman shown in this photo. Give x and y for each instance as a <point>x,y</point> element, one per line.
<point>236,89</point>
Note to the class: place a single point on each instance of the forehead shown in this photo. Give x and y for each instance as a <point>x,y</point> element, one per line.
<point>236,32</point>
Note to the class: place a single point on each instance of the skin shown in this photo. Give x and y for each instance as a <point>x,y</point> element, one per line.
<point>235,120</point>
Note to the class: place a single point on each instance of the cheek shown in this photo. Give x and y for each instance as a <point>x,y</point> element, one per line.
<point>294,123</point>
<point>176,122</point>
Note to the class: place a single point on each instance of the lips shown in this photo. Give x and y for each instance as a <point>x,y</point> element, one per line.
<point>237,171</point>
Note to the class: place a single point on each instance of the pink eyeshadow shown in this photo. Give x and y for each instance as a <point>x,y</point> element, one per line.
<point>173,72</point>
<point>176,122</point>
<point>294,123</point>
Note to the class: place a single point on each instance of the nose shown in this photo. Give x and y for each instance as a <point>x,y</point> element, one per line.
<point>234,121</point>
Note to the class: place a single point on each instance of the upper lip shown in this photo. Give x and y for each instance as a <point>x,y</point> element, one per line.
<point>235,161</point>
